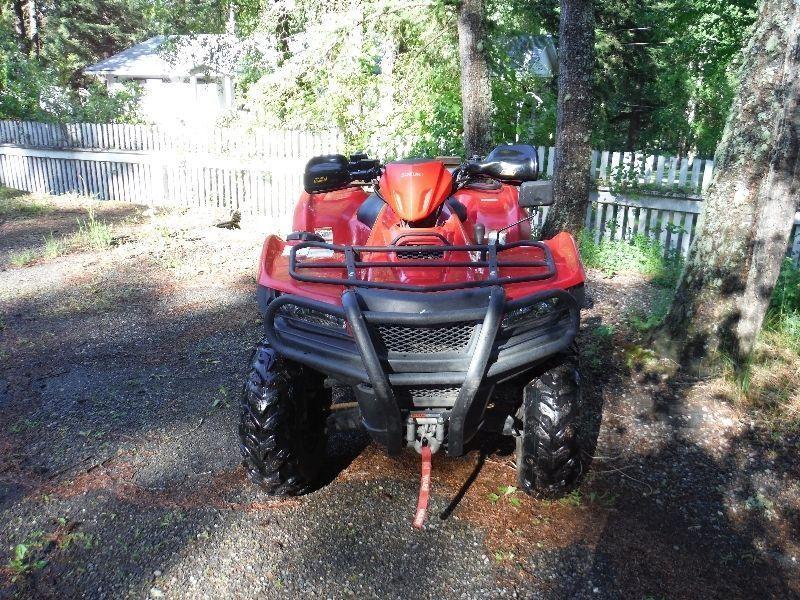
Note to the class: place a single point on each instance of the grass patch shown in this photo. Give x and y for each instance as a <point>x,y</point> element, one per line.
<point>598,347</point>
<point>770,381</point>
<point>93,232</point>
<point>637,255</point>
<point>783,319</point>
<point>645,321</point>
<point>53,246</point>
<point>23,258</point>
<point>14,204</point>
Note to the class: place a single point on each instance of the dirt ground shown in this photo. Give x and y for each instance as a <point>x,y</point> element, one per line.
<point>120,371</point>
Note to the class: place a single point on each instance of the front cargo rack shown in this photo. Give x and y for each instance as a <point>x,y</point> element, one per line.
<point>488,258</point>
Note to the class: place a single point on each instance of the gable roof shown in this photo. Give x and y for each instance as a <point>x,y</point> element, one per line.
<point>155,59</point>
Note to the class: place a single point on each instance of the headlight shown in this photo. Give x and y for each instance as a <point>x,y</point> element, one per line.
<point>315,317</point>
<point>533,312</point>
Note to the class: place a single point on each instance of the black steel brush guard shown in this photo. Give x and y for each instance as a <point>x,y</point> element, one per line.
<point>488,252</point>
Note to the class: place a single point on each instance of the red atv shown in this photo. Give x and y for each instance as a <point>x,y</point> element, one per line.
<point>426,301</point>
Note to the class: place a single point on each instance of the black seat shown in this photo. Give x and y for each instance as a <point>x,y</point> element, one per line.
<point>369,210</point>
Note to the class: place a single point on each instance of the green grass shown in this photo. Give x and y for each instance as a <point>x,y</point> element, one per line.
<point>53,246</point>
<point>93,232</point>
<point>16,204</point>
<point>638,255</point>
<point>23,258</point>
<point>783,318</point>
<point>652,319</point>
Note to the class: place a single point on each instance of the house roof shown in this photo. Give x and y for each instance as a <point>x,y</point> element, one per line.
<point>182,56</point>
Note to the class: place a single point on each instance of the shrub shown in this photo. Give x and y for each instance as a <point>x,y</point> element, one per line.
<point>783,318</point>
<point>640,254</point>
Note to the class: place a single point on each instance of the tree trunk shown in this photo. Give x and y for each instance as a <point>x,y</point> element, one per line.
<point>726,286</point>
<point>21,27</point>
<point>34,19</point>
<point>476,93</point>
<point>282,32</point>
<point>573,124</point>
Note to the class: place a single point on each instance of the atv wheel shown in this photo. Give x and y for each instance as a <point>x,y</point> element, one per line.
<point>282,427</point>
<point>548,452</point>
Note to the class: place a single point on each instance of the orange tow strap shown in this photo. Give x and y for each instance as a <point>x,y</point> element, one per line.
<point>424,488</point>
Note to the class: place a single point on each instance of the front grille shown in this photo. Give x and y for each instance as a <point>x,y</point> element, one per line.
<point>425,340</point>
<point>420,254</point>
<point>435,395</point>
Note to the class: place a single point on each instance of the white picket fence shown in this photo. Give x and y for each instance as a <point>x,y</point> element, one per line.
<point>260,172</point>
<point>215,141</point>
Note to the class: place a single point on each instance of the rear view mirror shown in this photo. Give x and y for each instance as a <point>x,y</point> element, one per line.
<point>535,193</point>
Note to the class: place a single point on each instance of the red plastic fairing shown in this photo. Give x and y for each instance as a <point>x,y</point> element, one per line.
<point>415,188</point>
<point>274,270</point>
<point>332,213</point>
<point>496,209</point>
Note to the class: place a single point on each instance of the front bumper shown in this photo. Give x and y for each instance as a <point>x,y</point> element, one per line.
<point>404,351</point>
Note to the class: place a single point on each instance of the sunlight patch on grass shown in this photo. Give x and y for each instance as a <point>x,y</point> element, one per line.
<point>53,246</point>
<point>14,204</point>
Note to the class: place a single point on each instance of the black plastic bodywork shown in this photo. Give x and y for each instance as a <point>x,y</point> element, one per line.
<point>349,343</point>
<point>513,163</point>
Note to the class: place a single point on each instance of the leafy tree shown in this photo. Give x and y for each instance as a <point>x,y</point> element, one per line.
<point>388,79</point>
<point>80,32</point>
<point>665,70</point>
<point>45,45</point>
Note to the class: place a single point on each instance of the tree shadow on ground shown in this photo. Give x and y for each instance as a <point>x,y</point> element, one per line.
<point>119,460</point>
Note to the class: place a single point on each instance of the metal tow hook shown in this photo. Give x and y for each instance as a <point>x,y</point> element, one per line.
<point>424,485</point>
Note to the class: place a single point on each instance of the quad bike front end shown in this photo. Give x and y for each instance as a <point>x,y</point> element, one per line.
<point>423,365</point>
<point>430,304</point>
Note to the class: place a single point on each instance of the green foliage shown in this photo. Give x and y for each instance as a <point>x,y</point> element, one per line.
<point>48,87</point>
<point>641,254</point>
<point>653,318</point>
<point>665,71</point>
<point>574,498</point>
<point>53,246</point>
<point>604,331</point>
<point>389,79</point>
<point>786,296</point>
<point>386,72</point>
<point>505,491</point>
<point>23,561</point>
<point>23,258</point>
<point>783,317</point>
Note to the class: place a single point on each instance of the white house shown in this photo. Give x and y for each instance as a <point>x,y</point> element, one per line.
<point>185,78</point>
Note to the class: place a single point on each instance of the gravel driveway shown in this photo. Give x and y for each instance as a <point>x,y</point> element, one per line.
<point>120,370</point>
